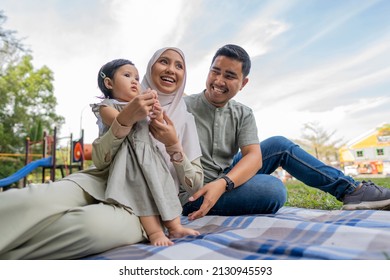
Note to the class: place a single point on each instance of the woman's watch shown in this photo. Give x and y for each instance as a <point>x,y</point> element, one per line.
<point>229,183</point>
<point>177,157</point>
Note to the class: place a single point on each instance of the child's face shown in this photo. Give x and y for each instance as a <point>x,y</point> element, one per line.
<point>168,72</point>
<point>125,83</point>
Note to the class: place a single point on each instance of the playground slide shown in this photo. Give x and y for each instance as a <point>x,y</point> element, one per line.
<point>24,171</point>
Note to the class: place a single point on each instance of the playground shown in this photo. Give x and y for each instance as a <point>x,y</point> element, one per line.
<point>65,155</point>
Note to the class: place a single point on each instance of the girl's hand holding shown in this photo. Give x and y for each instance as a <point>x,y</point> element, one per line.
<point>137,109</point>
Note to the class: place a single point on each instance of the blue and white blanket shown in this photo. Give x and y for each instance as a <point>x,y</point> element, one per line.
<point>292,233</point>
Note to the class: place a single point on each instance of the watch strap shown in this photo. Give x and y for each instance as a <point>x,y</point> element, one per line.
<point>229,183</point>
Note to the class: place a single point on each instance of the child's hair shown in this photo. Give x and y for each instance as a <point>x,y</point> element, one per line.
<point>108,71</point>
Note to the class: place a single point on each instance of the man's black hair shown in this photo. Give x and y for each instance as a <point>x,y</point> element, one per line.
<point>237,53</point>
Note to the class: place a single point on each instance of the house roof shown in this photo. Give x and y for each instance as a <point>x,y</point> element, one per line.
<point>371,138</point>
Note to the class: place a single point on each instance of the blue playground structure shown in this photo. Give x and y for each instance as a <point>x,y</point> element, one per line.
<point>24,171</point>
<point>78,153</point>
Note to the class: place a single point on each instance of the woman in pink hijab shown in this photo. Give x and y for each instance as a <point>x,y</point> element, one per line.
<point>70,218</point>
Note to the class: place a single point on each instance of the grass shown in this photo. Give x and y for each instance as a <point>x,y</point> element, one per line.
<point>300,195</point>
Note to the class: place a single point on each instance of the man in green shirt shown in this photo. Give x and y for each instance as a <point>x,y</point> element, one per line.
<point>237,168</point>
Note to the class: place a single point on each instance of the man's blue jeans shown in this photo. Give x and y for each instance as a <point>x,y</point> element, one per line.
<point>264,193</point>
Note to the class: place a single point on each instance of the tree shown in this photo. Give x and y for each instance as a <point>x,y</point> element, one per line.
<point>384,130</point>
<point>10,46</point>
<point>27,101</point>
<point>319,142</point>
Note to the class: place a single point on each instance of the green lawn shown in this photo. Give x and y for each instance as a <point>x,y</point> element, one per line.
<point>300,195</point>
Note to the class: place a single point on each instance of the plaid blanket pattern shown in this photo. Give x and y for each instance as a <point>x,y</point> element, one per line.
<point>292,233</point>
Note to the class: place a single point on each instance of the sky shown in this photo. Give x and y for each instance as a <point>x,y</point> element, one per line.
<point>323,61</point>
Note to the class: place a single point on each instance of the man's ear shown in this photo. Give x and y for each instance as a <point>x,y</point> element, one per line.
<point>244,82</point>
<point>107,83</point>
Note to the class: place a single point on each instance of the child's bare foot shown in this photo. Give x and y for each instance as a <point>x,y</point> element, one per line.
<point>182,231</point>
<point>160,239</point>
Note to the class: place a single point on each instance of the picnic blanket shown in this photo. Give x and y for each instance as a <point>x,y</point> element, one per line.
<point>291,233</point>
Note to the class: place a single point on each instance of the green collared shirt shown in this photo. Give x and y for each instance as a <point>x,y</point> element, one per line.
<point>222,132</point>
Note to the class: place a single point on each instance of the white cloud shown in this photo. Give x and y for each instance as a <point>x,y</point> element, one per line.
<point>290,84</point>
<point>324,80</point>
<point>256,36</point>
<point>75,48</point>
<point>345,120</point>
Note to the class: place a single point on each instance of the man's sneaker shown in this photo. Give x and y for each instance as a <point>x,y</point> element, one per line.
<point>368,196</point>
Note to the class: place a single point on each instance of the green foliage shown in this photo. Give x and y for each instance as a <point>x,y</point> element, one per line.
<point>384,130</point>
<point>27,101</point>
<point>300,195</point>
<point>7,36</point>
<point>10,46</point>
<point>36,131</point>
<point>9,165</point>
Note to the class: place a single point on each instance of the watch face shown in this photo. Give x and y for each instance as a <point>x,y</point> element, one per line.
<point>177,156</point>
<point>229,183</point>
<point>230,186</point>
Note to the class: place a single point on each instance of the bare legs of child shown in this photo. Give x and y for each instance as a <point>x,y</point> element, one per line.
<point>155,232</point>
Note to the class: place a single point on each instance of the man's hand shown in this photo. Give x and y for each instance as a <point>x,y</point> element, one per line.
<point>211,192</point>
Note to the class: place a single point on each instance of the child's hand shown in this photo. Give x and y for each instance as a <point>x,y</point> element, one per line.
<point>157,112</point>
<point>137,109</point>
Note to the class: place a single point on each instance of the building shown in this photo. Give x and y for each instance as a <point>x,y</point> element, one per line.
<point>368,153</point>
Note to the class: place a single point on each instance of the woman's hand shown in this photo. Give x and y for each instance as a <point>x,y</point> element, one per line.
<point>165,131</point>
<point>137,109</point>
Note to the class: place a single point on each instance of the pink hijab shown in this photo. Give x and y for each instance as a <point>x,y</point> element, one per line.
<point>176,109</point>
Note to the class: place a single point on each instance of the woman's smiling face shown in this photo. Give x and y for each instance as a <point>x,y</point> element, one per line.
<point>168,72</point>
